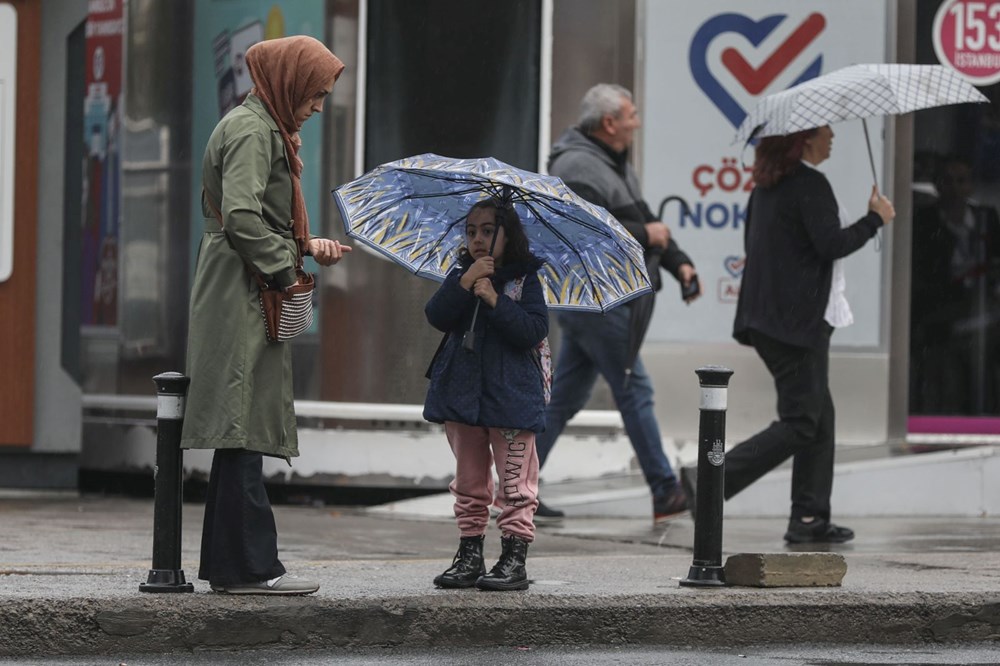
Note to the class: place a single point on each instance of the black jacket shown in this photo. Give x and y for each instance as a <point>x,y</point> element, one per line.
<point>498,384</point>
<point>605,178</point>
<point>792,236</point>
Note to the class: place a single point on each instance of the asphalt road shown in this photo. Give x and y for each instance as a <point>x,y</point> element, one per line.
<point>825,655</point>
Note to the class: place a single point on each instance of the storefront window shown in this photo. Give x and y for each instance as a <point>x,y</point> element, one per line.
<point>446,76</point>
<point>955,306</point>
<point>456,78</point>
<point>132,276</point>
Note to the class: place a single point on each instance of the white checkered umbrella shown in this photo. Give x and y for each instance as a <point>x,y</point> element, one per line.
<point>856,92</point>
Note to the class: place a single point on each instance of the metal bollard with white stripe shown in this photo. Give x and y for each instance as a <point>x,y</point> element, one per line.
<point>166,574</point>
<point>706,568</point>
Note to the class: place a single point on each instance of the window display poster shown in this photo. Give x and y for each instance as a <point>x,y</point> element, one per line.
<point>706,66</point>
<point>102,167</point>
<point>223,31</point>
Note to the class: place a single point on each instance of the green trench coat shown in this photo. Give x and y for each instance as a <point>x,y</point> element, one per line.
<point>241,384</point>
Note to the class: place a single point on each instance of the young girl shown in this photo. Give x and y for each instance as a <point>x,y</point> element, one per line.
<point>490,396</point>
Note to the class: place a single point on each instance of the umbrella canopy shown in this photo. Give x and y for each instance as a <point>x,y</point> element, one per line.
<point>856,92</point>
<point>412,211</point>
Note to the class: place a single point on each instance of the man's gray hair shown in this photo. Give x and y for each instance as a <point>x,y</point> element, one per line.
<point>604,99</point>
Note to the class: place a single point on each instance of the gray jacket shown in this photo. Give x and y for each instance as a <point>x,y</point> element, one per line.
<point>605,178</point>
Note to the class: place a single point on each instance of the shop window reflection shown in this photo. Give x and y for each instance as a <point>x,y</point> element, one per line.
<point>955,262</point>
<point>955,311</point>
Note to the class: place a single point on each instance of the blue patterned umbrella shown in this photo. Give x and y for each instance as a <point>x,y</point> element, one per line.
<point>413,210</point>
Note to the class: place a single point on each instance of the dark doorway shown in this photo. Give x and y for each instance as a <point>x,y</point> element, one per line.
<point>76,56</point>
<point>453,77</point>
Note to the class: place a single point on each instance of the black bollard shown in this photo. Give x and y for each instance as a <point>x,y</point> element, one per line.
<point>706,569</point>
<point>166,574</point>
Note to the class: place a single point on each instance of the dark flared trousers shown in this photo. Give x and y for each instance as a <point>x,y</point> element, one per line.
<point>239,542</point>
<point>804,429</point>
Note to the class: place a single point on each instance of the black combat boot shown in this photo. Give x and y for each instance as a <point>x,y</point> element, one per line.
<point>467,566</point>
<point>508,573</point>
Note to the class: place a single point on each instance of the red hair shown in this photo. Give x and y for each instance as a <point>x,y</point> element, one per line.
<point>776,156</point>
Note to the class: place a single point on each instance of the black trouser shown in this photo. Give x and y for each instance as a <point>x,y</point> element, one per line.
<point>239,542</point>
<point>805,428</point>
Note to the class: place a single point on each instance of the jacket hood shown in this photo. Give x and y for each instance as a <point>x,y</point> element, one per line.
<point>573,139</point>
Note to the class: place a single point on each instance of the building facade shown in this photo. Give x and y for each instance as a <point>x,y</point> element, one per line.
<point>115,100</point>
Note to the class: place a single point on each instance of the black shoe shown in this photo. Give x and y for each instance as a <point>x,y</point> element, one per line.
<point>672,504</point>
<point>817,531</point>
<point>467,566</point>
<point>509,572</point>
<point>689,482</point>
<point>546,514</point>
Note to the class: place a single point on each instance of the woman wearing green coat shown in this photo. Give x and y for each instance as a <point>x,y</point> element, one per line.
<point>240,399</point>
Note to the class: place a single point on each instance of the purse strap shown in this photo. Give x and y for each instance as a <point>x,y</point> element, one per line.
<point>218,216</point>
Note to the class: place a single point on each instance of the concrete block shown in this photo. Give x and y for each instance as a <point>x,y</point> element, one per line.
<point>785,569</point>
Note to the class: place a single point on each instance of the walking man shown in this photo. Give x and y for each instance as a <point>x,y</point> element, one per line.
<point>592,159</point>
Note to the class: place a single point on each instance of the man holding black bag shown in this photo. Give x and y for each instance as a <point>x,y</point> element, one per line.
<point>592,159</point>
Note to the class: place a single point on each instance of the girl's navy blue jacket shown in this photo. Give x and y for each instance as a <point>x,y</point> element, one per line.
<point>498,384</point>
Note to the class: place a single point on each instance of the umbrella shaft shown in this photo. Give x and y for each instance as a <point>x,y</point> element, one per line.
<point>871,159</point>
<point>469,339</point>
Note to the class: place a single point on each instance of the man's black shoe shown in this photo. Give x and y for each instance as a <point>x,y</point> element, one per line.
<point>546,514</point>
<point>817,531</point>
<point>669,505</point>
<point>689,482</point>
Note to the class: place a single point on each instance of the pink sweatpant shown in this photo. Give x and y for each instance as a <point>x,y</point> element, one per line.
<point>516,466</point>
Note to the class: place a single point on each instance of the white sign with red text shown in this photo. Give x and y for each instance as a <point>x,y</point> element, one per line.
<point>706,65</point>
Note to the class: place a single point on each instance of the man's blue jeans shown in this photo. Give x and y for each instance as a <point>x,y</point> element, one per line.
<point>592,344</point>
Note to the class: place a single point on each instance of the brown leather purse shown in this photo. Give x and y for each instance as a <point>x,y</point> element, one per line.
<point>287,312</point>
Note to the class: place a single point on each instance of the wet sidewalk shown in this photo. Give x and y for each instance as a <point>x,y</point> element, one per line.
<point>70,568</point>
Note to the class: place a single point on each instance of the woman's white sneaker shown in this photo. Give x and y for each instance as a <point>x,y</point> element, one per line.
<point>286,584</point>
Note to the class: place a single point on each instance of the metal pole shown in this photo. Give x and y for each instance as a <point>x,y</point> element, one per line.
<point>706,569</point>
<point>166,574</point>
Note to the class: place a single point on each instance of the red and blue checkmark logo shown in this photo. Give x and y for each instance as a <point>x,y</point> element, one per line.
<point>754,79</point>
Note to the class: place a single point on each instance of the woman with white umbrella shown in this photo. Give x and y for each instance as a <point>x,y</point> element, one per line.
<point>791,299</point>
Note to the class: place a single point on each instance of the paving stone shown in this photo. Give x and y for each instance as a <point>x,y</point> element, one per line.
<point>786,569</point>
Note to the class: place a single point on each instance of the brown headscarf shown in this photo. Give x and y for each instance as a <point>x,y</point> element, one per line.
<point>287,72</point>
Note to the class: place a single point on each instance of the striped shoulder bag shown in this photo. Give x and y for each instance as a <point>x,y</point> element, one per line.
<point>287,312</point>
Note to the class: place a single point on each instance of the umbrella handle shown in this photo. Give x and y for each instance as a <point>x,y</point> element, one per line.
<point>663,204</point>
<point>871,159</point>
<point>469,339</point>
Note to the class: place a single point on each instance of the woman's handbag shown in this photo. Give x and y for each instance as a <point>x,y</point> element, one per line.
<point>287,312</point>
